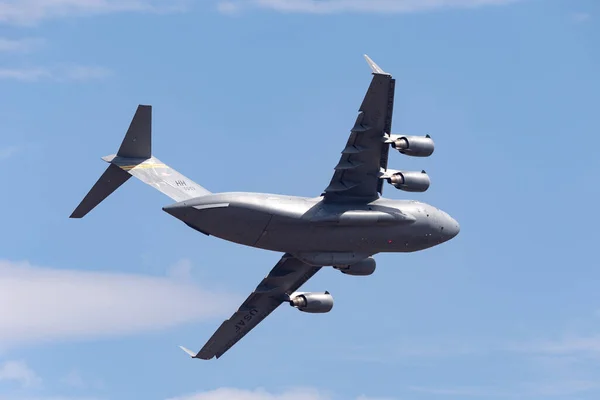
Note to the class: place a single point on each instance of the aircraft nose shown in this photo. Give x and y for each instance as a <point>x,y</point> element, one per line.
<point>450,226</point>
<point>453,227</point>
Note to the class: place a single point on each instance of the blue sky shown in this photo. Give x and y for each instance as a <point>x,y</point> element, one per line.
<point>259,95</point>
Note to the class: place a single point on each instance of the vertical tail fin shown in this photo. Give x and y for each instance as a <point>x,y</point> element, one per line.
<point>134,158</point>
<point>137,142</point>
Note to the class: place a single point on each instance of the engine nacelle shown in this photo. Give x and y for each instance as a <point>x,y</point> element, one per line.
<point>415,146</point>
<point>312,302</point>
<point>361,268</point>
<point>409,181</point>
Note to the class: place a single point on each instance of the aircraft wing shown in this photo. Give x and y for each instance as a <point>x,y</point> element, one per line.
<point>357,173</point>
<point>284,279</point>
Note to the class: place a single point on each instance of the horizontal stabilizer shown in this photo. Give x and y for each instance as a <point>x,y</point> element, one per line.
<point>134,158</point>
<point>110,181</point>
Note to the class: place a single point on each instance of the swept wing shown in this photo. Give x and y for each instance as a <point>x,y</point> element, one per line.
<point>284,279</point>
<point>356,176</point>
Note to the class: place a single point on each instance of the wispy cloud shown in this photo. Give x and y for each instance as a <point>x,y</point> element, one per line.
<point>559,388</point>
<point>7,152</point>
<point>423,349</point>
<point>588,346</point>
<point>18,371</point>
<point>181,270</point>
<point>223,393</point>
<point>80,304</point>
<point>581,17</point>
<point>82,73</point>
<point>262,394</point>
<point>24,74</point>
<point>562,364</point>
<point>228,7</point>
<point>74,379</point>
<point>363,397</point>
<point>258,394</point>
<point>57,74</point>
<point>464,391</point>
<point>554,388</point>
<point>23,45</point>
<point>29,12</point>
<point>374,6</point>
<point>17,396</point>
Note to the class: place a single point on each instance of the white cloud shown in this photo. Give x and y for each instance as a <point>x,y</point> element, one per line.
<point>225,394</point>
<point>32,11</point>
<point>262,394</point>
<point>23,45</point>
<point>58,74</point>
<point>378,6</point>
<point>557,387</point>
<point>45,304</point>
<point>257,394</point>
<point>19,372</point>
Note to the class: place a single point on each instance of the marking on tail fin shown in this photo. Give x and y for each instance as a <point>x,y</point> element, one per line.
<point>141,166</point>
<point>160,176</point>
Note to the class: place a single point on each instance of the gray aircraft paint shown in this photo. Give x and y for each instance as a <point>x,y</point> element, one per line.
<point>343,227</point>
<point>298,224</point>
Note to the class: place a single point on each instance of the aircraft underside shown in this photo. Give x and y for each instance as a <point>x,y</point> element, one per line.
<point>297,225</point>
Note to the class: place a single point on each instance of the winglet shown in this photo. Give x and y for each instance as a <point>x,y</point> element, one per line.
<point>190,353</point>
<point>376,68</point>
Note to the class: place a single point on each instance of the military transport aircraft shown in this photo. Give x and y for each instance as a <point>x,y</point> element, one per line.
<point>342,228</point>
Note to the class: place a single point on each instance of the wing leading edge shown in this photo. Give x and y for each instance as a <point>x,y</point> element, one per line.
<point>284,279</point>
<point>356,175</point>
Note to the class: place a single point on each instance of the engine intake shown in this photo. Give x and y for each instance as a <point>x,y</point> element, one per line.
<point>414,146</point>
<point>361,268</point>
<point>409,181</point>
<point>312,302</point>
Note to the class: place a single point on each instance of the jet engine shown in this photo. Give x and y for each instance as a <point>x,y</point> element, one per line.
<point>409,181</point>
<point>361,268</point>
<point>415,146</point>
<point>312,302</point>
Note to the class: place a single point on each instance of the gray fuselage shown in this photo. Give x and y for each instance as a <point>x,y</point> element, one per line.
<point>309,225</point>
